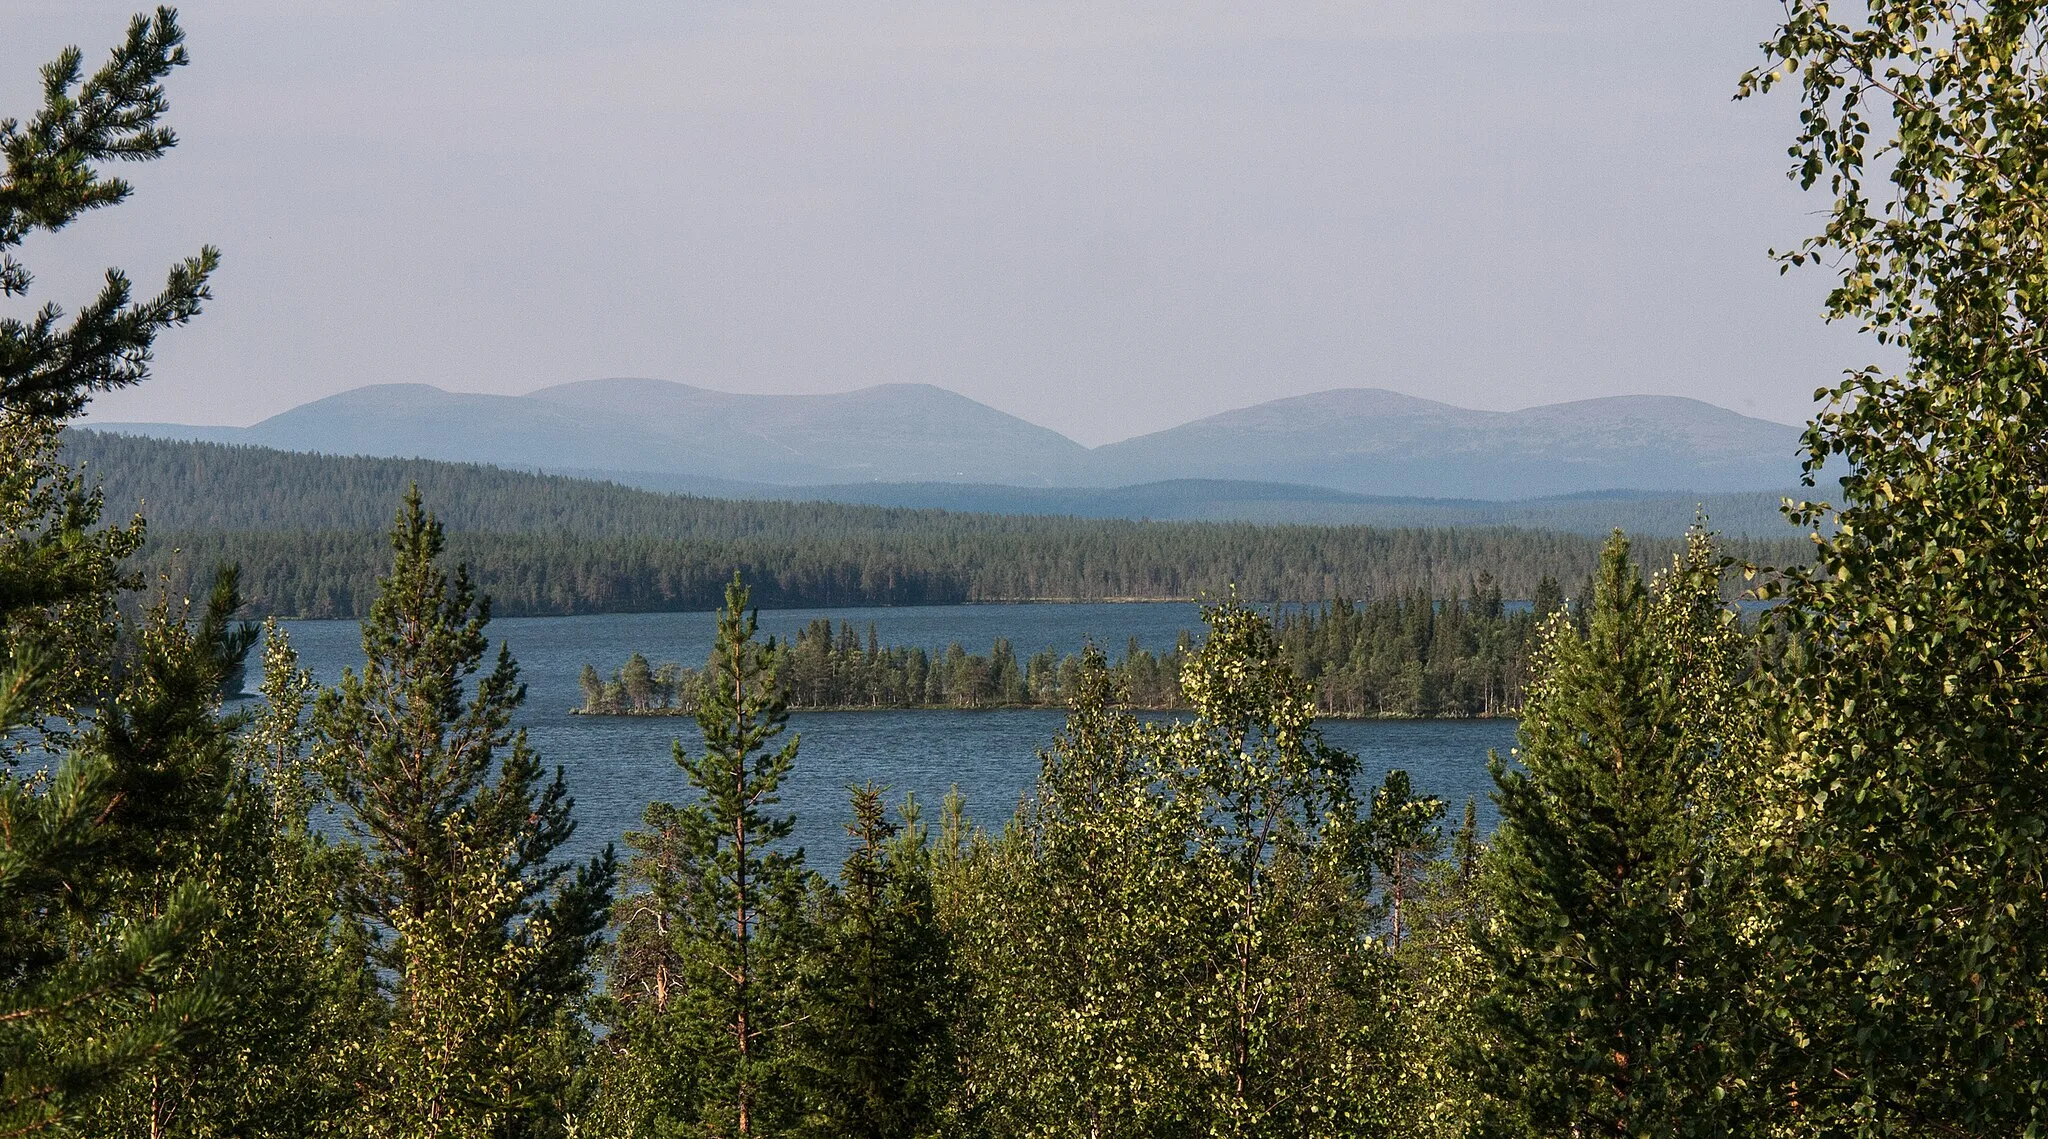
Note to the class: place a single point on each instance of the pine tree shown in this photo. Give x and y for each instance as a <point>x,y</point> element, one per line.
<point>704,972</point>
<point>228,816</point>
<point>89,989</point>
<point>1405,840</point>
<point>483,936</point>
<point>100,982</point>
<point>48,369</point>
<point>637,681</point>
<point>1614,962</point>
<point>61,574</point>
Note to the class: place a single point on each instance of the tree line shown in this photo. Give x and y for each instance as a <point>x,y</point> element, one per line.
<point>306,532</point>
<point>334,574</point>
<point>209,487</point>
<point>1803,900</point>
<point>1465,656</point>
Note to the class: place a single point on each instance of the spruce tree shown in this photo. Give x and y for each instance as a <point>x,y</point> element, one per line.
<point>705,967</point>
<point>1608,936</point>
<point>874,1035</point>
<point>593,690</point>
<point>482,936</point>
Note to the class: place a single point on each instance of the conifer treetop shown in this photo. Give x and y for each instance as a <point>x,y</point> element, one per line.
<point>53,175</point>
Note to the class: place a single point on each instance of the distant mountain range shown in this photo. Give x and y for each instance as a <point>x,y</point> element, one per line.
<point>1354,442</point>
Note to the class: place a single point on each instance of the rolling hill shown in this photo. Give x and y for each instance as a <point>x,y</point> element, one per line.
<point>897,432</point>
<point>1380,442</point>
<point>1356,441</point>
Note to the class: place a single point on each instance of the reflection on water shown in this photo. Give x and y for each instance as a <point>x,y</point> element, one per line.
<point>616,765</point>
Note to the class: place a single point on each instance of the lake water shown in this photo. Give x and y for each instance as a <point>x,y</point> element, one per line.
<point>615,765</point>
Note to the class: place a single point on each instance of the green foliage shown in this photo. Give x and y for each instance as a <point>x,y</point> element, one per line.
<point>1175,934</point>
<point>1460,655</point>
<point>227,818</point>
<point>91,992</point>
<point>481,936</point>
<point>306,530</point>
<point>1908,800</point>
<point>1443,970</point>
<point>1405,842</point>
<point>1777,885</point>
<point>874,1037</point>
<point>93,985</point>
<point>1608,936</point>
<point>137,963</point>
<point>943,560</point>
<point>48,369</point>
<point>1079,931</point>
<point>59,573</point>
<point>1295,1040</point>
<point>1399,657</point>
<point>705,969</point>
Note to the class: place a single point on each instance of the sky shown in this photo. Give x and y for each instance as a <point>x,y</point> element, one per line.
<point>1106,218</point>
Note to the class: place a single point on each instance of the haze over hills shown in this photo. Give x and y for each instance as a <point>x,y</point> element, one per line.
<point>1359,441</point>
<point>1746,513</point>
<point>897,432</point>
<point>190,484</point>
<point>1374,441</point>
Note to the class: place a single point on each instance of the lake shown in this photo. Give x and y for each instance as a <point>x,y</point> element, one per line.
<point>615,765</point>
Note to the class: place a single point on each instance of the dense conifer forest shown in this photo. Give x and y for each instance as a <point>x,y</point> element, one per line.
<point>1797,901</point>
<point>1398,657</point>
<point>186,484</point>
<point>307,532</point>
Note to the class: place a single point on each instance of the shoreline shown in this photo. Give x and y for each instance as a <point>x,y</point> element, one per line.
<point>684,714</point>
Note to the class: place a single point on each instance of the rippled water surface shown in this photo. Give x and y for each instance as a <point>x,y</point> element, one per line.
<point>615,765</point>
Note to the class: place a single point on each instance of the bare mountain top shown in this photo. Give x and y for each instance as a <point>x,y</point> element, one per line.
<point>1372,441</point>
<point>1358,440</point>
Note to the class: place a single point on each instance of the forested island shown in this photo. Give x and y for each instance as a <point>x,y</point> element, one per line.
<point>1802,900</point>
<point>1410,657</point>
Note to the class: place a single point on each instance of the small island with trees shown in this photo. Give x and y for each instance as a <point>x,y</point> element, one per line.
<point>1401,658</point>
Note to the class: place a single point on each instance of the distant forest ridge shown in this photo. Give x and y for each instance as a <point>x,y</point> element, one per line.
<point>308,533</point>
<point>1753,514</point>
<point>181,480</point>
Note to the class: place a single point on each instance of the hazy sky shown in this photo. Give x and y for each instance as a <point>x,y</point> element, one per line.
<point>1107,218</point>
